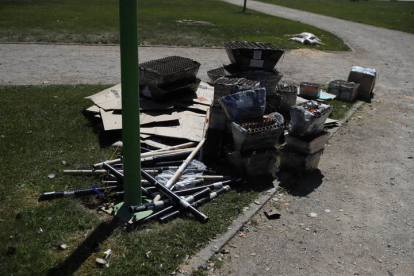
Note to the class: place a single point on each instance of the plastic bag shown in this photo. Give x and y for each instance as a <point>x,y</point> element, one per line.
<point>309,117</point>
<point>244,105</point>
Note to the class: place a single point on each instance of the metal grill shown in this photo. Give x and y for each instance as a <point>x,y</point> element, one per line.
<point>253,55</point>
<point>266,124</point>
<point>286,88</point>
<point>316,108</point>
<point>236,81</point>
<point>249,45</point>
<point>214,74</point>
<point>168,70</point>
<point>169,65</point>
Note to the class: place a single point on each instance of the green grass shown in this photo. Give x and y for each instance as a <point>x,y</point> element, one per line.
<point>340,108</point>
<point>41,126</point>
<point>386,14</point>
<point>96,21</point>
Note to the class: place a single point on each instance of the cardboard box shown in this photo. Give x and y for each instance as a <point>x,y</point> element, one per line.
<point>307,144</point>
<point>366,78</point>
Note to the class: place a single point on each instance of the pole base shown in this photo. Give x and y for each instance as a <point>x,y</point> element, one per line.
<point>121,211</point>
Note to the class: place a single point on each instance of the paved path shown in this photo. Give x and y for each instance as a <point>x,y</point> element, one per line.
<point>366,174</point>
<point>367,170</point>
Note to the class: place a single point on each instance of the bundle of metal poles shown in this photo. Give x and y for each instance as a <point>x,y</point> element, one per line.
<point>167,203</point>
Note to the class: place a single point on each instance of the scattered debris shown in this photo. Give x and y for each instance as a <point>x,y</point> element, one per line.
<point>194,22</point>
<point>313,215</point>
<point>307,39</point>
<point>100,261</point>
<point>272,214</point>
<point>52,175</point>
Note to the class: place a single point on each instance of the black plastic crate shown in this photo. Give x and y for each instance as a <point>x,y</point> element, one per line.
<point>169,93</point>
<point>288,96</point>
<point>267,79</point>
<point>226,86</point>
<point>164,71</point>
<point>253,55</point>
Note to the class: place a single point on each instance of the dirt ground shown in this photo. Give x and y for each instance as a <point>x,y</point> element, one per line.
<point>366,174</point>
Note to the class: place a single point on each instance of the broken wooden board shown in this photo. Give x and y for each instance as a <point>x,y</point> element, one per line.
<point>113,121</point>
<point>191,127</point>
<point>204,95</point>
<point>108,99</point>
<point>93,109</point>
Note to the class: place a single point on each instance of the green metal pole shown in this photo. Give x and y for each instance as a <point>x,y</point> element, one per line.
<point>244,6</point>
<point>128,17</point>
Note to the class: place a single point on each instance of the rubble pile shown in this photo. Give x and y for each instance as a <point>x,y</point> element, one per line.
<point>243,115</point>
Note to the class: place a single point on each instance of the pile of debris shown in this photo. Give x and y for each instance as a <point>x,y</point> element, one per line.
<point>163,170</point>
<point>243,116</point>
<point>173,103</point>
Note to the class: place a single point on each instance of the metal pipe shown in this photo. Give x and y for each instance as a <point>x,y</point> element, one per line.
<point>184,204</point>
<point>144,155</point>
<point>78,193</point>
<point>120,178</point>
<point>158,205</point>
<point>197,203</point>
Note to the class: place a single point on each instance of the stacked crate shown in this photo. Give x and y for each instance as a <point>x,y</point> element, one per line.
<point>251,148</point>
<point>365,77</point>
<point>169,77</point>
<point>306,139</point>
<point>219,123</point>
<point>282,99</point>
<point>343,90</point>
<point>253,61</point>
<point>252,151</point>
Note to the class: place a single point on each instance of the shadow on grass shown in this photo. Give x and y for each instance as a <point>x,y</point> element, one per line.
<point>84,250</point>
<point>300,185</point>
<point>105,138</point>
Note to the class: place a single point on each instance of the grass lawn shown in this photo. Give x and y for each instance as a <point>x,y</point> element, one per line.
<point>386,14</point>
<point>96,21</point>
<point>41,126</point>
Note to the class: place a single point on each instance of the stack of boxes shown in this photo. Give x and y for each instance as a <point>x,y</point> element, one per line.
<point>343,90</point>
<point>168,78</point>
<point>306,139</point>
<point>252,66</point>
<point>365,77</point>
<point>252,151</point>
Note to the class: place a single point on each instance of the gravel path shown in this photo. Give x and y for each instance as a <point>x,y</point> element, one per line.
<point>366,175</point>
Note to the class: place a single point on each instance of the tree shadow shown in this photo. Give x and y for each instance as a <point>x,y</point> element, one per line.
<point>300,184</point>
<point>85,250</point>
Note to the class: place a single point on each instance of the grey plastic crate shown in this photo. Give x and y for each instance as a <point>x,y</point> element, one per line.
<point>261,162</point>
<point>343,90</point>
<point>170,92</point>
<point>307,144</point>
<point>257,134</point>
<point>295,161</point>
<point>309,117</point>
<point>309,90</point>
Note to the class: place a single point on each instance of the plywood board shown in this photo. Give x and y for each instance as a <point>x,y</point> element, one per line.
<point>113,121</point>
<point>191,127</point>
